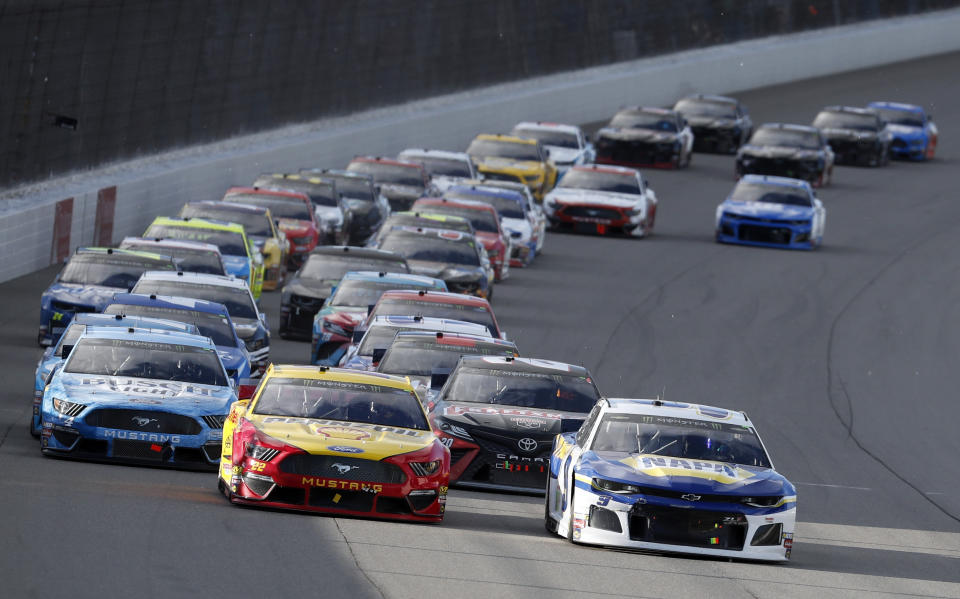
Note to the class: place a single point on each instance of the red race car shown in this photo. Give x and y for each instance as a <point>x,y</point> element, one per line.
<point>293,212</point>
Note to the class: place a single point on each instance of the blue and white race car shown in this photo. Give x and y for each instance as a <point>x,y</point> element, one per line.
<point>670,476</point>
<point>914,134</point>
<point>771,212</point>
<point>138,396</point>
<point>53,355</point>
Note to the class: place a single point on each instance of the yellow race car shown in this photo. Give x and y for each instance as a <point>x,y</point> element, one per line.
<point>509,158</point>
<point>338,441</point>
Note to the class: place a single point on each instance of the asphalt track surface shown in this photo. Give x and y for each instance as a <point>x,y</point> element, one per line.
<point>846,359</point>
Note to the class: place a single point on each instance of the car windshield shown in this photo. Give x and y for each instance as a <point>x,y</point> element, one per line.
<point>481,220</point>
<point>341,401</point>
<point>712,108</point>
<point>411,307</point>
<point>355,188</point>
<point>229,242</point>
<point>630,119</point>
<point>257,224</point>
<point>327,267</point>
<point>541,390</point>
<point>601,181</point>
<point>492,148</point>
<point>900,117</point>
<point>207,262</point>
<point>147,360</point>
<point>432,248</point>
<point>389,173</point>
<point>109,270</point>
<point>791,138</point>
<point>420,358</point>
<point>215,326</point>
<point>280,206</point>
<point>358,293</point>
<point>507,207</point>
<point>238,301</point>
<point>847,120</point>
<point>671,437</point>
<point>450,167</point>
<point>769,193</point>
<point>423,220</point>
<point>69,337</point>
<point>550,137</point>
<point>320,192</point>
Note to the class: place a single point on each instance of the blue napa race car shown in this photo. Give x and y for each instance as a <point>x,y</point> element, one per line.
<point>138,396</point>
<point>53,355</point>
<point>211,318</point>
<point>670,476</point>
<point>88,282</point>
<point>771,212</point>
<point>914,134</point>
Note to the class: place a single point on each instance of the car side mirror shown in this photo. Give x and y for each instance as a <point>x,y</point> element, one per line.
<point>378,354</point>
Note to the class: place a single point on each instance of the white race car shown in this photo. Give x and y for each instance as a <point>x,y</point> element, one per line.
<point>602,199</point>
<point>444,168</point>
<point>568,145</point>
<point>670,476</point>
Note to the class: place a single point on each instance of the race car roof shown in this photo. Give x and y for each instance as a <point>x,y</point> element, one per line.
<point>773,180</point>
<point>546,126</point>
<point>147,335</point>
<point>534,365</point>
<point>390,161</point>
<point>439,297</point>
<point>100,251</point>
<point>529,141</point>
<point>453,338</point>
<point>850,110</point>
<point>789,127</point>
<point>122,320</point>
<point>337,173</point>
<point>430,324</point>
<point>295,371</point>
<point>676,409</point>
<point>161,242</point>
<point>648,110</point>
<point>484,190</point>
<point>357,252</point>
<point>431,216</point>
<point>198,223</point>
<point>445,234</point>
<point>225,206</point>
<point>194,278</point>
<point>711,98</point>
<point>471,204</point>
<point>170,301</point>
<point>897,106</point>
<point>394,277</point>
<point>608,169</point>
<point>411,154</point>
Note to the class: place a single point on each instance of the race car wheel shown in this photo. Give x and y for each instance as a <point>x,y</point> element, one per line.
<point>548,522</point>
<point>223,488</point>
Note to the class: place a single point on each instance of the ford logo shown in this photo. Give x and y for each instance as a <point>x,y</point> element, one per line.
<point>344,449</point>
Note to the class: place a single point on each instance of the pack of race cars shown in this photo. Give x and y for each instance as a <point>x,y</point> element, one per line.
<point>388,268</point>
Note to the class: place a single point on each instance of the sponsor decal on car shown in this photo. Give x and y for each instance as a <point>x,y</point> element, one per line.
<point>455,410</point>
<point>344,449</point>
<point>343,485</point>
<point>662,467</point>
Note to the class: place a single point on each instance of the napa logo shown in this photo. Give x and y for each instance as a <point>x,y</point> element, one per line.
<point>659,466</point>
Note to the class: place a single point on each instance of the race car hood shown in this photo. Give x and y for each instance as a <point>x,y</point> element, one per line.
<point>506,419</point>
<point>233,358</point>
<point>779,152</point>
<point>711,122</point>
<point>238,266</point>
<point>94,296</point>
<point>443,270</point>
<point>644,135</point>
<point>768,210</point>
<point>678,474</point>
<point>393,191</point>
<point>293,227</point>
<point>336,437</point>
<point>562,155</point>
<point>849,134</point>
<point>137,393</point>
<point>593,197</point>
<point>905,130</point>
<point>319,288</point>
<point>526,167</point>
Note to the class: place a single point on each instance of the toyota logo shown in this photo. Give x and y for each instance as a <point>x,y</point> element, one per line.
<point>690,497</point>
<point>527,444</point>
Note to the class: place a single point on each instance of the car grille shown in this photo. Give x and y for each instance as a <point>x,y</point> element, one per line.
<point>343,468</point>
<point>147,421</point>
<point>762,234</point>
<point>306,303</point>
<point>633,152</point>
<point>690,527</point>
<point>68,307</point>
<point>782,167</point>
<point>591,212</point>
<point>215,421</point>
<point>501,462</point>
<point>357,501</point>
<point>604,519</point>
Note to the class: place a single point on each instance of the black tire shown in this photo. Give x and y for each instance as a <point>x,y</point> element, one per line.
<point>548,522</point>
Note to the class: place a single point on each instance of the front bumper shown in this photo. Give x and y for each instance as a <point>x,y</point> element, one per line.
<point>601,220</point>
<point>909,148</point>
<point>796,235</point>
<point>854,153</point>
<point>493,463</point>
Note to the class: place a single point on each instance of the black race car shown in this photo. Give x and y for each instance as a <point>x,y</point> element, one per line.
<point>498,415</point>
<point>333,214</point>
<point>856,135</point>
<point>640,136</point>
<point>304,294</point>
<point>359,192</point>
<point>794,151</point>
<point>720,124</point>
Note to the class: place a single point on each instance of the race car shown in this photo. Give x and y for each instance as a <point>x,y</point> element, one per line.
<point>53,355</point>
<point>210,318</point>
<point>333,217</point>
<point>357,291</point>
<point>516,218</point>
<point>87,283</point>
<point>293,211</point>
<point>500,414</point>
<point>719,124</point>
<point>567,144</point>
<point>514,159</point>
<point>401,182</point>
<point>421,356</point>
<point>425,220</point>
<point>239,254</point>
<point>444,168</point>
<point>856,135</point>
<point>486,222</point>
<point>189,256</point>
<point>795,151</point>
<point>260,228</point>
<point>251,324</point>
<point>643,136</point>
<point>144,396</point>
<point>337,441</point>
<point>914,133</point>
<point>455,258</point>
<point>359,192</point>
<point>670,476</point>
<point>304,295</point>
<point>772,212</point>
<point>602,200</point>
<point>438,304</point>
<point>379,334</point>
<point>534,209</point>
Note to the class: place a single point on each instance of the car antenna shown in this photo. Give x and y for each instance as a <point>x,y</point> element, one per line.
<point>660,397</point>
